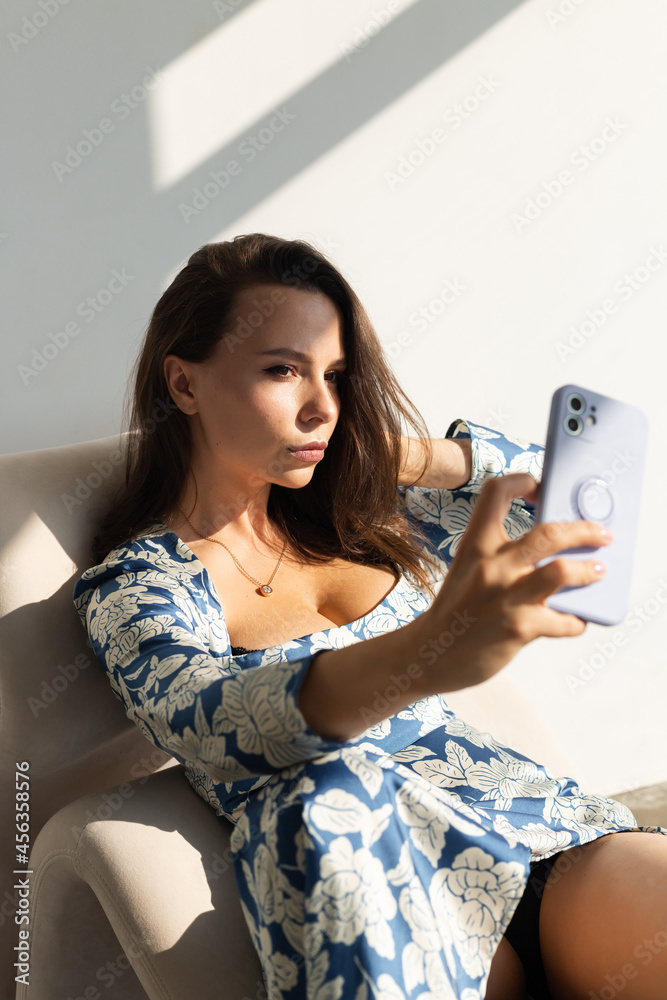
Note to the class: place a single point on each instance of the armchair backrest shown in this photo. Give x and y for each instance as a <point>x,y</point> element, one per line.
<point>58,713</point>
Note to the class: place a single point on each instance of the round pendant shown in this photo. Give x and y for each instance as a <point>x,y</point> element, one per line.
<point>266,590</point>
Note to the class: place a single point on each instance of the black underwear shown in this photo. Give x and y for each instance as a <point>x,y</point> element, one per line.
<point>523,932</point>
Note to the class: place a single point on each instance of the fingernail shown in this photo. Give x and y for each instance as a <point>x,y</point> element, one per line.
<point>599,568</point>
<point>606,534</point>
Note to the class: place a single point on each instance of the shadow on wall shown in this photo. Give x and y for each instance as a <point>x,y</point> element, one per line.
<point>85,171</point>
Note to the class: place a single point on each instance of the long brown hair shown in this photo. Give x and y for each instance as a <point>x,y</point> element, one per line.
<point>350,508</point>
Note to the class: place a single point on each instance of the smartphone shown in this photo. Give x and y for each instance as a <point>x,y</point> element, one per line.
<point>593,469</point>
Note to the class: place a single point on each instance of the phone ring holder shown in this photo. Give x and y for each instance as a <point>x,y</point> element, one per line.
<point>594,500</point>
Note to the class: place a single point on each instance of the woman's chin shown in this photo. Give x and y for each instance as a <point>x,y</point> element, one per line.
<point>296,478</point>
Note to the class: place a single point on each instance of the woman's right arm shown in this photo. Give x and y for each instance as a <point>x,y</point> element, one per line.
<point>234,724</point>
<point>491,603</point>
<point>154,641</point>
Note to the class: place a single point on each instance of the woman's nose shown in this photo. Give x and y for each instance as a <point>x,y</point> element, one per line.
<point>320,399</point>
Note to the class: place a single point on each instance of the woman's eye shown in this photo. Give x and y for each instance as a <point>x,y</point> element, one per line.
<point>279,369</point>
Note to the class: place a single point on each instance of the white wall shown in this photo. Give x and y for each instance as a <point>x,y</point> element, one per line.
<point>539,83</point>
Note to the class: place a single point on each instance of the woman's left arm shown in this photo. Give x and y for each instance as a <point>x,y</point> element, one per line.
<point>442,512</point>
<point>450,466</point>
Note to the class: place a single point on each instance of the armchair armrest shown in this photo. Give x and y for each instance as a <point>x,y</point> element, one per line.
<point>146,869</point>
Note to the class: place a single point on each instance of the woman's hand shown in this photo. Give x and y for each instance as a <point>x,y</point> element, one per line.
<point>492,601</point>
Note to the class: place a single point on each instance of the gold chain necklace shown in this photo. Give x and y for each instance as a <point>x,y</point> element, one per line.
<point>262,588</point>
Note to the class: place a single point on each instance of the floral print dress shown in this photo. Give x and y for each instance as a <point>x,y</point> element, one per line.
<point>384,867</point>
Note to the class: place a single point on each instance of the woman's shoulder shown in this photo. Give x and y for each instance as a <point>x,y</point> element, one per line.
<point>155,556</point>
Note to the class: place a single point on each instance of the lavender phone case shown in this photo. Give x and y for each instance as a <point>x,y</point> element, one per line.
<point>596,475</point>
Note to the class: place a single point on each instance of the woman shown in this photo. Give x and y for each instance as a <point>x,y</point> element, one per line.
<point>264,604</point>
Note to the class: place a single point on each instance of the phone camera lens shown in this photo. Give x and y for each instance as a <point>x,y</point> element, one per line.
<point>573,425</point>
<point>575,403</point>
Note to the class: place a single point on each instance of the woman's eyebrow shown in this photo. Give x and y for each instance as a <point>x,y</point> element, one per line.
<point>289,352</point>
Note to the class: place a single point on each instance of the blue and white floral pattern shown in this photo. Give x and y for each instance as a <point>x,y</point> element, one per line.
<point>385,867</point>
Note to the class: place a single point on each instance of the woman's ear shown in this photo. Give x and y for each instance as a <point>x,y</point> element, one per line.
<point>177,376</point>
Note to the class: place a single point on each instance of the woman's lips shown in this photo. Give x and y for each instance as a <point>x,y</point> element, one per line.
<point>308,455</point>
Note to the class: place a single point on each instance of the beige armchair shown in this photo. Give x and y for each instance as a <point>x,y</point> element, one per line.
<point>131,892</point>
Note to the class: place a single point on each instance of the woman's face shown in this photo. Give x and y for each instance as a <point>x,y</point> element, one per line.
<point>269,389</point>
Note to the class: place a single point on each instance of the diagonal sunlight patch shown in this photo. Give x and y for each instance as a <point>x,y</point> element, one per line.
<point>215,91</point>
<point>33,544</point>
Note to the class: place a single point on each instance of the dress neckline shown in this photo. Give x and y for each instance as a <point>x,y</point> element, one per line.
<point>206,576</point>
